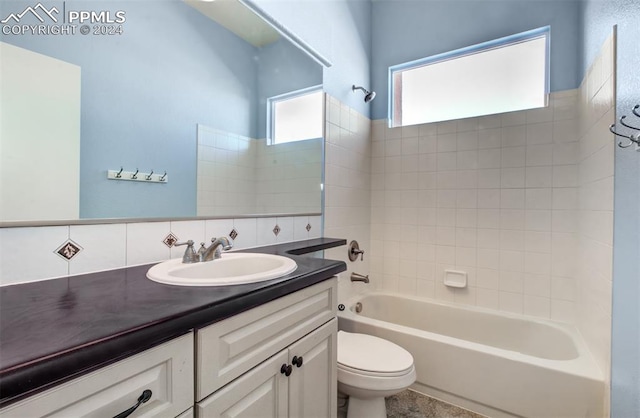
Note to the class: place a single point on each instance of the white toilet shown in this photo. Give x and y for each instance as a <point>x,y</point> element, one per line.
<point>369,369</point>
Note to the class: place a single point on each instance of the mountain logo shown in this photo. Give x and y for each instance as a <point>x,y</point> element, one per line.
<point>38,11</point>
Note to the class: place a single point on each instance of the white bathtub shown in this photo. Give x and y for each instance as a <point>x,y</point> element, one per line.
<point>494,363</point>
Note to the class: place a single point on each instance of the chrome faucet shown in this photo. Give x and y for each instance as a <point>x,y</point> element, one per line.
<point>355,277</point>
<point>214,251</point>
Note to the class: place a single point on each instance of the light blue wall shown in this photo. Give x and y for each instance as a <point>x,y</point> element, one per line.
<point>405,30</point>
<point>143,93</point>
<point>282,68</point>
<point>340,30</point>
<point>597,20</point>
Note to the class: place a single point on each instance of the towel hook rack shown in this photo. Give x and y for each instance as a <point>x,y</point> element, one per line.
<point>634,138</point>
<point>150,177</point>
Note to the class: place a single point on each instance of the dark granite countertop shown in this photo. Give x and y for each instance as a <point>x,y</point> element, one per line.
<point>54,330</point>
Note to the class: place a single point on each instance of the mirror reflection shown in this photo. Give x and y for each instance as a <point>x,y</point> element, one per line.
<point>183,90</point>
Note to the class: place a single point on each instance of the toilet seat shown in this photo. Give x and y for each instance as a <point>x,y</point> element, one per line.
<point>368,355</point>
<point>374,374</point>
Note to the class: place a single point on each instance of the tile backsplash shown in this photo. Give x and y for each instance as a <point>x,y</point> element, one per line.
<point>34,253</point>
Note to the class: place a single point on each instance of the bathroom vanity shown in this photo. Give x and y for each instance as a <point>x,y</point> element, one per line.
<point>267,347</point>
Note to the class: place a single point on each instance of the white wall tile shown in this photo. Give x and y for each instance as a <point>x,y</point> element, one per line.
<point>286,233</point>
<point>144,242</point>
<point>19,246</point>
<point>512,178</point>
<point>490,138</point>
<point>540,133</point>
<point>539,177</point>
<point>104,247</point>
<point>264,231</point>
<point>513,156</point>
<point>247,230</point>
<point>539,155</point>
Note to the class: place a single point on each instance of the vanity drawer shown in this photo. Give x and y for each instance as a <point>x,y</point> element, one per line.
<point>165,370</point>
<point>229,348</point>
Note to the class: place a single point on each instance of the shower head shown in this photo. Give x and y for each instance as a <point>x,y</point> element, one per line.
<point>368,95</point>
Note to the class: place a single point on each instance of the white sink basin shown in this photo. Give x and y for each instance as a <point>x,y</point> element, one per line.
<point>231,269</point>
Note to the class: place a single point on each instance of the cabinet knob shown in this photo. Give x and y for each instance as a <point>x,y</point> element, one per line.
<point>146,395</point>
<point>297,361</point>
<point>286,369</point>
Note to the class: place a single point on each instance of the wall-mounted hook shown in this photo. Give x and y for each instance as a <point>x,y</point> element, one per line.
<point>622,118</point>
<point>148,177</point>
<point>119,173</point>
<point>135,175</point>
<point>631,138</point>
<point>635,110</point>
<point>163,176</point>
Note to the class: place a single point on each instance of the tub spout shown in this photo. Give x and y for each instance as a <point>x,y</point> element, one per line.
<point>355,277</point>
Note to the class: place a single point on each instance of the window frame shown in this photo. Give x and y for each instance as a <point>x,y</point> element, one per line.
<point>542,32</point>
<point>271,102</point>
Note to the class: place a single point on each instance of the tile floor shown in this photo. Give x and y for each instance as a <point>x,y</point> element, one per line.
<point>410,404</point>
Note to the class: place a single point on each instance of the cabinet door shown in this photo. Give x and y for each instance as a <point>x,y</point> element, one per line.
<point>165,370</point>
<point>313,387</point>
<point>231,347</point>
<point>259,393</point>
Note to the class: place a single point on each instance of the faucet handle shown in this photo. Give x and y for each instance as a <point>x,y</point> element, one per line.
<point>355,251</point>
<point>190,255</point>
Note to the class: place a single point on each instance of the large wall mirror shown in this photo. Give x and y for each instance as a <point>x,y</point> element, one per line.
<point>180,88</point>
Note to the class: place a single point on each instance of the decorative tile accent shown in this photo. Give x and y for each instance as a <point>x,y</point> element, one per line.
<point>308,227</point>
<point>233,234</point>
<point>68,250</point>
<point>276,230</point>
<point>170,240</point>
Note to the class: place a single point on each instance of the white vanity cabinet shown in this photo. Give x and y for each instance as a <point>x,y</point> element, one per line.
<point>165,370</point>
<point>276,360</point>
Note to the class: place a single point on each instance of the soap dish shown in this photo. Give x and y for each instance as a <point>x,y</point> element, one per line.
<point>455,278</point>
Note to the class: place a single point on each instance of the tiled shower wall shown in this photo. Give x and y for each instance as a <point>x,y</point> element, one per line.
<point>494,196</point>
<point>595,204</point>
<point>226,173</point>
<point>35,253</point>
<point>244,176</point>
<point>347,189</point>
<point>288,177</point>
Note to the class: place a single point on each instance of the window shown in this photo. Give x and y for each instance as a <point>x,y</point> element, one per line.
<point>503,75</point>
<point>295,116</point>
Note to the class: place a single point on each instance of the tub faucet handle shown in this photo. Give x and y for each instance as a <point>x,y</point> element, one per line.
<point>354,251</point>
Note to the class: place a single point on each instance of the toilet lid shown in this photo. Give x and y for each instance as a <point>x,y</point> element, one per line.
<point>372,354</point>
